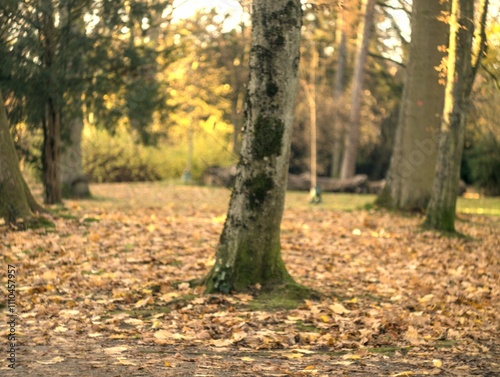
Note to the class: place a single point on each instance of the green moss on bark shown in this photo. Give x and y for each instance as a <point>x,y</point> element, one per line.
<point>258,188</point>
<point>250,267</point>
<point>268,137</point>
<point>442,220</point>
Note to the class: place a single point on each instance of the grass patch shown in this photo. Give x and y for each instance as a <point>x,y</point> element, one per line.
<point>336,201</point>
<point>287,297</point>
<point>481,206</point>
<point>388,350</point>
<point>302,327</point>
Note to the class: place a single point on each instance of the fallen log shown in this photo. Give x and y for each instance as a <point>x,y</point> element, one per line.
<point>302,182</point>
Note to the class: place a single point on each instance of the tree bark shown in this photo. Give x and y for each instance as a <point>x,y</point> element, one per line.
<point>352,134</point>
<point>338,91</point>
<point>249,251</point>
<point>310,91</point>
<point>460,78</point>
<point>73,179</point>
<point>16,202</point>
<point>52,115</point>
<point>411,172</point>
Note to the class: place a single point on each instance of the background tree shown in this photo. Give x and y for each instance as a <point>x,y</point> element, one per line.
<point>249,248</point>
<point>461,71</point>
<point>16,202</point>
<point>352,133</point>
<point>409,180</point>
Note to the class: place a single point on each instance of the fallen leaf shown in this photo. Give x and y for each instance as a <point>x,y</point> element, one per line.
<point>338,308</point>
<point>55,360</point>
<point>437,363</point>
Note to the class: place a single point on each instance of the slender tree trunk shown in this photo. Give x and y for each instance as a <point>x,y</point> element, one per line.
<point>52,116</point>
<point>352,134</point>
<point>461,72</point>
<point>16,201</point>
<point>338,91</point>
<point>73,179</point>
<point>51,154</point>
<point>411,172</point>
<point>249,248</point>
<point>310,91</point>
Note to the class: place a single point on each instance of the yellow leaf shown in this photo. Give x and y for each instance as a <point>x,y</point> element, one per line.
<point>125,362</point>
<point>292,356</point>
<point>237,336</point>
<point>351,356</point>
<point>339,308</point>
<point>117,349</point>
<point>49,275</point>
<point>60,329</point>
<point>310,367</point>
<point>353,300</point>
<point>162,334</point>
<point>54,360</point>
<point>437,363</point>
<point>246,358</point>
<point>94,237</point>
<point>325,318</point>
<point>167,364</point>
<point>426,298</point>
<point>304,351</point>
<point>403,374</point>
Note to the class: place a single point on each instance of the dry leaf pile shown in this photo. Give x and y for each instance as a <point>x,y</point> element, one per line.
<point>108,290</point>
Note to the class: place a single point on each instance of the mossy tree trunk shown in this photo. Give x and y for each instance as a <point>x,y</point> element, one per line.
<point>460,78</point>
<point>249,248</point>
<point>16,201</point>
<point>348,168</point>
<point>413,161</point>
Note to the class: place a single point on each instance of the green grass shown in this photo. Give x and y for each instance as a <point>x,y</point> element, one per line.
<point>481,206</point>
<point>350,202</point>
<point>338,201</point>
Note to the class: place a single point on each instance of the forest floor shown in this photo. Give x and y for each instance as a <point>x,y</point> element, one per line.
<point>106,292</point>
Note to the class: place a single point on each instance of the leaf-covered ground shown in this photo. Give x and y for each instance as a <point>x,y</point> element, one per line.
<point>106,293</point>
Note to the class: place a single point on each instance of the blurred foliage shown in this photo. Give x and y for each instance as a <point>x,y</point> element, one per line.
<point>121,157</point>
<point>481,162</point>
<point>147,83</point>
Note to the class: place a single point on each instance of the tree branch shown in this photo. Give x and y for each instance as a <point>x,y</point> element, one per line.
<point>492,75</point>
<point>377,56</point>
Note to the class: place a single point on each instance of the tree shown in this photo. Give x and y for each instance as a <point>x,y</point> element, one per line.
<point>310,92</point>
<point>338,91</point>
<point>461,71</point>
<point>352,134</point>
<point>249,249</point>
<point>411,173</point>
<point>16,202</point>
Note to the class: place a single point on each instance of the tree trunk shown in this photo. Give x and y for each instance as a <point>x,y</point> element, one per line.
<point>310,91</point>
<point>73,179</point>
<point>441,210</point>
<point>51,154</point>
<point>52,115</point>
<point>411,173</point>
<point>338,91</point>
<point>352,134</point>
<point>16,202</point>
<point>249,248</point>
